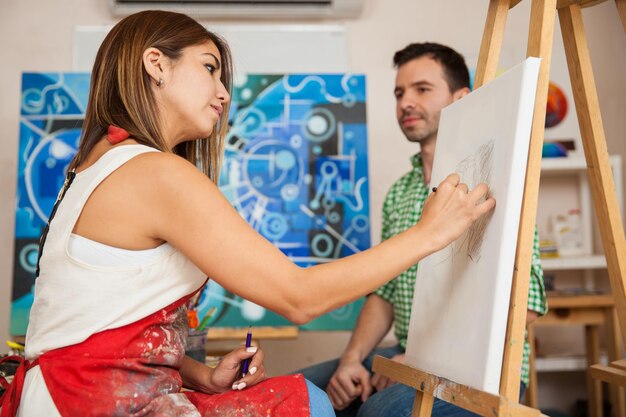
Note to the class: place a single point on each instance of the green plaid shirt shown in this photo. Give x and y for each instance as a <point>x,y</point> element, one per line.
<point>402,209</point>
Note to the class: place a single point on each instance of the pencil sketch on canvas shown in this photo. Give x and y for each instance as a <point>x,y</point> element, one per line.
<point>474,169</point>
<point>460,305</point>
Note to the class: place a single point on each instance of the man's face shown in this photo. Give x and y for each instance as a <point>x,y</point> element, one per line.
<point>421,92</point>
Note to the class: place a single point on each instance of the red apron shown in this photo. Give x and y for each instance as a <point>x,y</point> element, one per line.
<point>133,370</point>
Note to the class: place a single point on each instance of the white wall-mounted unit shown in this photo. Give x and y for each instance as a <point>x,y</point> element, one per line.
<point>247,9</point>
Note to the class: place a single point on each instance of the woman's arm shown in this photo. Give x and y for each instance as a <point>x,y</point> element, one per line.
<point>189,211</point>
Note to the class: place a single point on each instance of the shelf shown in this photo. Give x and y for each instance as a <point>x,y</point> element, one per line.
<point>568,164</point>
<point>574,262</point>
<point>565,363</point>
<point>570,300</point>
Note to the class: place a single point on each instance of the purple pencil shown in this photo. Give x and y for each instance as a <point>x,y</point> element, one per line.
<point>246,362</point>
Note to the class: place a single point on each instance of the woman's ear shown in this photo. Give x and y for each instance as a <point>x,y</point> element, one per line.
<point>154,62</point>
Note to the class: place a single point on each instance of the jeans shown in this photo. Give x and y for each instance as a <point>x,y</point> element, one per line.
<point>319,404</point>
<point>395,401</point>
<point>320,375</point>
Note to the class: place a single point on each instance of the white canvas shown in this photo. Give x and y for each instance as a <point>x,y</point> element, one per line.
<point>460,307</point>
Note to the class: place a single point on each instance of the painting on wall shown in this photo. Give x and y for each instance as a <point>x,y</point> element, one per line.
<point>295,168</point>
<point>461,300</point>
<point>556,107</point>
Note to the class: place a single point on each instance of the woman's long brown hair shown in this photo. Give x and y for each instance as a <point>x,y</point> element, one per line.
<point>120,92</point>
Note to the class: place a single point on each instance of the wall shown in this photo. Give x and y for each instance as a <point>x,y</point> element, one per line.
<point>37,36</point>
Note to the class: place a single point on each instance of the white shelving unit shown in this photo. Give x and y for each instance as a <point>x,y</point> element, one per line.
<point>565,363</point>
<point>567,167</point>
<point>561,179</point>
<point>572,164</point>
<point>574,262</point>
<point>577,166</point>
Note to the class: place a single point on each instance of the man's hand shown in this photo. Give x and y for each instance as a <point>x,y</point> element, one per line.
<point>531,316</point>
<point>349,381</point>
<point>380,382</point>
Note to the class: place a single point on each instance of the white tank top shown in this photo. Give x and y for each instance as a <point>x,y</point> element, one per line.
<point>98,254</point>
<point>75,299</point>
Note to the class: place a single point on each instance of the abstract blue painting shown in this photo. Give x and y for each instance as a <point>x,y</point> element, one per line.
<point>295,168</point>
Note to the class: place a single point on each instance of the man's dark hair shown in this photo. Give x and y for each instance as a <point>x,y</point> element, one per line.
<point>454,68</point>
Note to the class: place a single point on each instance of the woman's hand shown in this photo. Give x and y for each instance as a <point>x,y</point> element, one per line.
<point>227,374</point>
<point>452,209</point>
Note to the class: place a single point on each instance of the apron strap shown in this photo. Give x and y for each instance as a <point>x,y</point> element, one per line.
<point>10,399</point>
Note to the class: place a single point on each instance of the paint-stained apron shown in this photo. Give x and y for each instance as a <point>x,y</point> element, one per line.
<point>134,371</point>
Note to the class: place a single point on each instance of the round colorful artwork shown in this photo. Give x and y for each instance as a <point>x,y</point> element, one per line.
<point>556,108</point>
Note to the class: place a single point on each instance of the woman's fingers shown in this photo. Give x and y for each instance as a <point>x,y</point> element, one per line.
<point>477,194</point>
<point>448,185</point>
<point>453,207</point>
<point>453,179</point>
<point>479,191</point>
<point>453,183</point>
<point>256,369</point>
<point>255,375</point>
<point>463,188</point>
<point>241,353</point>
<point>258,357</point>
<point>485,207</point>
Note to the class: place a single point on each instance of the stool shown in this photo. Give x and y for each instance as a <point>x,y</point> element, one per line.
<point>590,311</point>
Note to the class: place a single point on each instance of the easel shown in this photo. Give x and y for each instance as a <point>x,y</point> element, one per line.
<point>540,39</point>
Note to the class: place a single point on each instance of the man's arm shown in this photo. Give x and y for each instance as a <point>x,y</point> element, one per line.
<point>352,379</point>
<point>537,303</point>
<point>374,322</point>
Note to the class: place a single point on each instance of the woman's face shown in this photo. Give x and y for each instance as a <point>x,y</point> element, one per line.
<point>192,96</point>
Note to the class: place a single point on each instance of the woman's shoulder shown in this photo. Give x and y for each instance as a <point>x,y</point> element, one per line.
<point>160,162</point>
<point>163,169</point>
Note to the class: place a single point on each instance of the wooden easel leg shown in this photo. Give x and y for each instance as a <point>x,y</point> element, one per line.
<point>423,404</point>
<point>491,44</point>
<point>621,9</point>
<point>594,387</point>
<point>541,35</point>
<point>614,350</point>
<point>594,143</point>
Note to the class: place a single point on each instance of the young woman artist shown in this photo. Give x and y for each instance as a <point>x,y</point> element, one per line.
<point>143,224</point>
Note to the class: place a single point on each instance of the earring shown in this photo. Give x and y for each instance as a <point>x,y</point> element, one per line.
<point>160,83</point>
